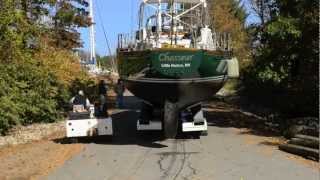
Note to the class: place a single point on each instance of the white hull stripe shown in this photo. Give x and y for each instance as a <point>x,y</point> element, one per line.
<point>194,80</point>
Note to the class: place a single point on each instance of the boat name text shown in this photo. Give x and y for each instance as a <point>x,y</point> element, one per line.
<point>167,57</point>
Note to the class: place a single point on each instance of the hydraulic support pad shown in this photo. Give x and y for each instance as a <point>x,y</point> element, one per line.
<point>194,126</point>
<point>151,126</point>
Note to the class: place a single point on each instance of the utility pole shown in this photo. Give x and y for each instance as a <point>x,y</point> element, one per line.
<point>92,35</point>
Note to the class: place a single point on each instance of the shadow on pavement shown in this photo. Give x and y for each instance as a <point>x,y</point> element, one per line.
<point>124,123</point>
<point>268,143</point>
<point>228,118</point>
<point>125,133</point>
<point>124,129</point>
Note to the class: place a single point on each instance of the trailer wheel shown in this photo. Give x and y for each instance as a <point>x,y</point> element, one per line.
<point>171,114</point>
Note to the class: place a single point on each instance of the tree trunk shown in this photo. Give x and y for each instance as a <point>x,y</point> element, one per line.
<point>300,150</point>
<point>305,143</point>
<point>310,138</point>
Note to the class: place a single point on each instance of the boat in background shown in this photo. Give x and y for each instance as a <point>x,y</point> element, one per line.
<point>174,61</point>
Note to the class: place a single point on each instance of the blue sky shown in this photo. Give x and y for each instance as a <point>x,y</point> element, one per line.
<point>117,16</point>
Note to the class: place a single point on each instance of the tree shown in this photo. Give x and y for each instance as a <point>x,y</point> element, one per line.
<point>263,9</point>
<point>15,33</point>
<point>287,58</point>
<point>70,14</point>
<point>38,68</point>
<point>105,62</point>
<point>230,16</point>
<point>58,19</point>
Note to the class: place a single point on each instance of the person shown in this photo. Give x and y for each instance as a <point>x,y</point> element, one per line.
<point>103,90</point>
<point>119,88</point>
<point>80,99</point>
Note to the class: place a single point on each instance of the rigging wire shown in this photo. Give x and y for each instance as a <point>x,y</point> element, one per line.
<point>106,37</point>
<point>131,24</point>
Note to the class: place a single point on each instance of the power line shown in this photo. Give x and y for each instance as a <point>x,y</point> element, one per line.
<point>103,29</point>
<point>105,35</point>
<point>131,14</point>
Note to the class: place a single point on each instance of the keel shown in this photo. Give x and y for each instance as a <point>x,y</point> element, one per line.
<point>171,115</point>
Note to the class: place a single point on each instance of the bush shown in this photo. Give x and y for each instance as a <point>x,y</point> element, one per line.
<point>291,98</point>
<point>89,87</point>
<point>35,72</point>
<point>28,95</point>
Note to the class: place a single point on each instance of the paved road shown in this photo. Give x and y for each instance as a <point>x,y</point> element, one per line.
<point>225,154</point>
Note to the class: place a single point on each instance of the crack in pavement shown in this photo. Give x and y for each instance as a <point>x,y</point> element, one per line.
<point>173,155</point>
<point>173,161</point>
<point>194,170</point>
<point>162,156</point>
<point>183,161</point>
<point>139,163</point>
<point>136,166</point>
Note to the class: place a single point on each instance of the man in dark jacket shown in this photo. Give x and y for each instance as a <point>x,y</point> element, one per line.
<point>80,99</point>
<point>103,94</point>
<point>119,89</point>
<point>103,88</point>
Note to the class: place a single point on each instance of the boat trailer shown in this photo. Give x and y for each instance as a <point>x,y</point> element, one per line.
<point>172,120</point>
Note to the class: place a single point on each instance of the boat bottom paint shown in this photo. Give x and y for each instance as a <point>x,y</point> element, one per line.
<point>184,92</point>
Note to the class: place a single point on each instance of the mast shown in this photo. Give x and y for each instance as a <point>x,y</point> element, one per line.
<point>206,14</point>
<point>92,35</point>
<point>159,23</point>
<point>172,20</point>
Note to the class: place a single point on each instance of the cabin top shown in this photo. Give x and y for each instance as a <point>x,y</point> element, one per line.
<point>174,24</point>
<point>176,1</point>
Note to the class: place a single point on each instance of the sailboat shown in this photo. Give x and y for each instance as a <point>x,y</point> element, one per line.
<point>174,61</point>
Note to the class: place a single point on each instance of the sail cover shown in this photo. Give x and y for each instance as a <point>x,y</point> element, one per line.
<point>176,1</point>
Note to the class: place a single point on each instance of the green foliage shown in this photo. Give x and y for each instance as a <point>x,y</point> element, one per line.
<point>230,16</point>
<point>284,74</point>
<point>87,85</point>
<point>33,87</point>
<point>28,95</point>
<point>69,15</point>
<point>15,32</point>
<point>105,62</point>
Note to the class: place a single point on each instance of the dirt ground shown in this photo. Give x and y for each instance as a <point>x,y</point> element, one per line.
<point>37,158</point>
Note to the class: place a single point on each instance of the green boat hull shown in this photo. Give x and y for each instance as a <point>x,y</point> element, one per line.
<point>183,76</point>
<point>173,63</point>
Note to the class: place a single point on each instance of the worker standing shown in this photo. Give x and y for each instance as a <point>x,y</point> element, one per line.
<point>103,90</point>
<point>119,89</point>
